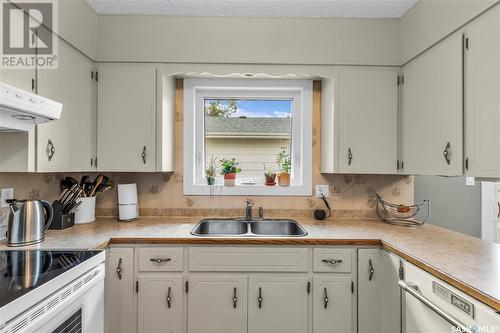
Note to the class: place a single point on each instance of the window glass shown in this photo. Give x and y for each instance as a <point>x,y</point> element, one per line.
<point>252,131</point>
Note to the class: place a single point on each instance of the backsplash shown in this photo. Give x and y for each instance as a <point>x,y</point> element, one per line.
<point>161,194</point>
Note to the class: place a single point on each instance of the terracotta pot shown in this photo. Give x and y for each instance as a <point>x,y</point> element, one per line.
<point>230,179</point>
<point>284,179</point>
<point>270,179</point>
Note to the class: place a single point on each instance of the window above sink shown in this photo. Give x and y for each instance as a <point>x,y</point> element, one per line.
<point>261,129</point>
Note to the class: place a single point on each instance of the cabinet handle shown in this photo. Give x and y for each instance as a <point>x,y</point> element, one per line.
<point>332,261</point>
<point>447,153</point>
<point>235,298</point>
<point>169,298</point>
<point>371,271</point>
<point>349,156</point>
<point>119,269</point>
<point>260,299</point>
<point>160,260</point>
<point>144,155</point>
<point>50,150</point>
<point>325,298</point>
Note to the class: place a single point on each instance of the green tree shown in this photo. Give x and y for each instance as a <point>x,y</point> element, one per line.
<point>220,108</point>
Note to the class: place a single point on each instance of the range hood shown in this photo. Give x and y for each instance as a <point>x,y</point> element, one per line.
<point>20,110</point>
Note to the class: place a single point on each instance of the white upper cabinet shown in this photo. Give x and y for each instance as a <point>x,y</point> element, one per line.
<point>67,144</point>
<point>359,121</point>
<point>367,121</point>
<point>431,119</point>
<point>482,97</point>
<point>126,135</point>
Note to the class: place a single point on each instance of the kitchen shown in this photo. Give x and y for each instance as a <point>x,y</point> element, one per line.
<point>232,166</point>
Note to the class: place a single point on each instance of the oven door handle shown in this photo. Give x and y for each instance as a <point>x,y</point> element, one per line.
<point>412,289</point>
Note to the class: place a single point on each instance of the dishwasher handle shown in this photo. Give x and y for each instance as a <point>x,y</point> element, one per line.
<point>413,290</point>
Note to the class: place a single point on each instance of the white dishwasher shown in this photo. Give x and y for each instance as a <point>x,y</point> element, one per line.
<point>433,306</point>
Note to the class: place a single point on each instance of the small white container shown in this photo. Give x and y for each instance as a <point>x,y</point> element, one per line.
<point>85,213</point>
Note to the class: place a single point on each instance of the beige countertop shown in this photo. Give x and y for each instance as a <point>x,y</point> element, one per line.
<point>468,263</point>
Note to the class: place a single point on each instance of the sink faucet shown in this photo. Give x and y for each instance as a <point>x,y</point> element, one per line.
<point>248,209</point>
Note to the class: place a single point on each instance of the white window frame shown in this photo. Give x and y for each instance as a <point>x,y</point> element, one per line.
<point>197,90</point>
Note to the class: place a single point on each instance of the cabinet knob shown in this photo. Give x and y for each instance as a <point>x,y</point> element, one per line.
<point>119,269</point>
<point>371,271</point>
<point>349,156</point>
<point>160,260</point>
<point>260,299</point>
<point>447,153</point>
<point>143,155</point>
<point>235,298</point>
<point>51,150</point>
<point>169,298</point>
<point>325,298</point>
<point>332,261</point>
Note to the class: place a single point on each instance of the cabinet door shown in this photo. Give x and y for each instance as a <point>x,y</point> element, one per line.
<point>332,304</point>
<point>126,118</point>
<point>432,111</point>
<point>217,304</point>
<point>368,121</point>
<point>390,294</point>
<point>20,78</point>
<point>160,304</point>
<point>119,290</point>
<point>277,304</point>
<point>482,98</point>
<point>370,276</point>
<point>72,135</point>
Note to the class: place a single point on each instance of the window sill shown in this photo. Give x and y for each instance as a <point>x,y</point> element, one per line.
<point>248,190</point>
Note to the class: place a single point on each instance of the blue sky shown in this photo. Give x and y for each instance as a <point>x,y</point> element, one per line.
<point>262,108</point>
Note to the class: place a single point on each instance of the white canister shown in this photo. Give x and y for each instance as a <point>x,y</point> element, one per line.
<point>128,206</point>
<point>85,213</point>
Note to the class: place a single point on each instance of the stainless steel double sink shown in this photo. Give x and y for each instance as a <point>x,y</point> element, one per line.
<point>245,228</point>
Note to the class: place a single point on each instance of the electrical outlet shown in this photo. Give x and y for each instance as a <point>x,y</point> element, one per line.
<point>6,193</point>
<point>470,181</point>
<point>322,189</point>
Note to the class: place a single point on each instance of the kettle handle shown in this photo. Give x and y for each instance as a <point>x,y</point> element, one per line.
<point>50,213</point>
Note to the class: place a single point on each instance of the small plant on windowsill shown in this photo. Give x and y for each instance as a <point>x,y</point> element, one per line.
<point>270,176</point>
<point>229,169</point>
<point>285,165</point>
<point>211,171</point>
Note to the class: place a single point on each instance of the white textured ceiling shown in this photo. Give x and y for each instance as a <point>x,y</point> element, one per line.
<point>256,8</point>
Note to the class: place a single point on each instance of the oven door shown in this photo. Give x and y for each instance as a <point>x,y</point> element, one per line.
<point>83,311</point>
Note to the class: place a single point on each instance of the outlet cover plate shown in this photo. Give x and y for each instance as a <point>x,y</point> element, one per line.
<point>322,189</point>
<point>6,193</point>
<point>470,181</point>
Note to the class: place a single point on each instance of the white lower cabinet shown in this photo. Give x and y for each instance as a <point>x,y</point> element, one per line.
<point>119,290</point>
<point>160,304</point>
<point>217,303</point>
<point>277,304</point>
<point>379,301</point>
<point>332,304</point>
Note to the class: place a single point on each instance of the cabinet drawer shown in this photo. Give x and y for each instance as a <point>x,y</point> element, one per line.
<point>240,259</point>
<point>160,259</point>
<point>332,260</point>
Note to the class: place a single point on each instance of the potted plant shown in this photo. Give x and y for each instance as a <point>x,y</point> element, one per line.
<point>285,165</point>
<point>270,176</point>
<point>211,172</point>
<point>229,169</point>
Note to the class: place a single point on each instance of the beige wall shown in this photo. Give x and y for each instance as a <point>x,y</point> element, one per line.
<point>161,194</point>
<point>248,40</point>
<point>431,20</point>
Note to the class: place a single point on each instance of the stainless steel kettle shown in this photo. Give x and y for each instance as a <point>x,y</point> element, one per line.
<point>27,222</point>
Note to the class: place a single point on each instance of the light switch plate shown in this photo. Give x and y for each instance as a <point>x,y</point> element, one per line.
<point>470,181</point>
<point>322,189</point>
<point>6,193</point>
